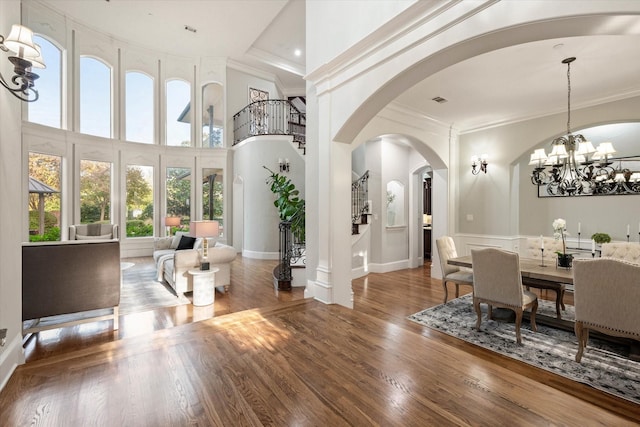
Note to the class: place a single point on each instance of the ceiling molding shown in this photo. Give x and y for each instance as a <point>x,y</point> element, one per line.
<point>239,66</point>
<point>538,115</point>
<point>276,61</point>
<point>417,24</point>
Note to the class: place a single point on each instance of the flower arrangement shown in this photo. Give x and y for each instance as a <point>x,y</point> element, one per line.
<point>560,232</point>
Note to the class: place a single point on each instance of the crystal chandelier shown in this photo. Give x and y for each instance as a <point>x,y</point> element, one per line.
<point>575,167</point>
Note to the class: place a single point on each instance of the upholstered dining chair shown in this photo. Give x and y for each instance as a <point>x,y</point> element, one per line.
<point>606,299</point>
<point>450,273</point>
<point>625,251</point>
<point>497,281</point>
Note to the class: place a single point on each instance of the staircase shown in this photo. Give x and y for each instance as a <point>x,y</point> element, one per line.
<point>360,209</point>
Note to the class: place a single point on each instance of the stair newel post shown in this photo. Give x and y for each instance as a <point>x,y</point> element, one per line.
<point>285,247</point>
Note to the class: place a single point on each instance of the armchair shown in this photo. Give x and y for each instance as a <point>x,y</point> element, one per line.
<point>450,273</point>
<point>497,281</point>
<point>622,251</point>
<point>606,298</point>
<point>93,232</point>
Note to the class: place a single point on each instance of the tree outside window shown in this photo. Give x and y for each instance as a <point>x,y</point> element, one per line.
<point>178,189</point>
<point>45,173</point>
<point>139,201</point>
<point>95,192</point>
<point>212,196</point>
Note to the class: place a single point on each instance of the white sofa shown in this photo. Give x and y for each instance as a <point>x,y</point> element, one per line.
<point>172,265</point>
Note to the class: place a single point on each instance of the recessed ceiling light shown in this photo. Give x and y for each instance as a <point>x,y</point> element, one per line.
<point>439,100</point>
<point>297,52</point>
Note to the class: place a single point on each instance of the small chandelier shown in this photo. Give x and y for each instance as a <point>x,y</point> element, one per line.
<point>575,166</point>
<point>27,55</point>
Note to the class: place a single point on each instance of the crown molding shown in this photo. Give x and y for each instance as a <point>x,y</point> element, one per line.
<point>276,61</point>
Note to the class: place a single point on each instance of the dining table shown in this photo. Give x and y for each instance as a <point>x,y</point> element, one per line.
<point>535,274</point>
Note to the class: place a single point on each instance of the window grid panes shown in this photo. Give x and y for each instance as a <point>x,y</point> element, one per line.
<point>95,97</point>
<point>95,192</point>
<point>45,174</point>
<point>212,115</point>
<point>47,110</point>
<point>177,107</point>
<point>212,196</point>
<point>178,188</point>
<point>139,201</point>
<point>139,107</point>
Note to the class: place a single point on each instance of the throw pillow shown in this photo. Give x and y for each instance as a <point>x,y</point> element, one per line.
<point>176,239</point>
<point>186,242</point>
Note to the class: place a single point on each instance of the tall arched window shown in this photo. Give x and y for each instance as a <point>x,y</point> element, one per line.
<point>178,124</point>
<point>47,110</point>
<point>139,107</point>
<point>95,97</point>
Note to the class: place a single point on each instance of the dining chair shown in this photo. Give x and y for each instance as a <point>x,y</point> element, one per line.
<point>497,281</point>
<point>625,251</point>
<point>450,273</point>
<point>606,299</point>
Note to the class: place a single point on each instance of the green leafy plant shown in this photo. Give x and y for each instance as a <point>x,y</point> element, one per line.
<point>601,238</point>
<point>290,206</point>
<point>50,235</point>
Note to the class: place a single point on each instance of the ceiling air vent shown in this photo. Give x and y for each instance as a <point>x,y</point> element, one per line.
<point>439,100</point>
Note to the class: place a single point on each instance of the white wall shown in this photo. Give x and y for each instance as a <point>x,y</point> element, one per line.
<point>491,201</point>
<point>260,216</point>
<point>11,192</point>
<point>343,23</point>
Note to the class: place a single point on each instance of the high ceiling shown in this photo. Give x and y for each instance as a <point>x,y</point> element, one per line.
<point>529,80</point>
<point>511,84</point>
<point>258,33</point>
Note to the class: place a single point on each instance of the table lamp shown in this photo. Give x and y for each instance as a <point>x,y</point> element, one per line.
<point>171,221</point>
<point>204,229</point>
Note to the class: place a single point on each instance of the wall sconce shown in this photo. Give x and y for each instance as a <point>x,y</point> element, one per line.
<point>28,55</point>
<point>479,164</point>
<point>284,165</point>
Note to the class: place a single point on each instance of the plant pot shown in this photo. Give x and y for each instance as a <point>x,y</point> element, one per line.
<point>565,260</point>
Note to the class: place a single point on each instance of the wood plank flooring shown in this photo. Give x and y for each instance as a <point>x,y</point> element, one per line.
<point>289,361</point>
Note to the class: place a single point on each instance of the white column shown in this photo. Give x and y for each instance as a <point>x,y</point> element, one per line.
<point>333,271</point>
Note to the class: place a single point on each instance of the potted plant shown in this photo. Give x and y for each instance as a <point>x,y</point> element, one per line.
<point>560,232</point>
<point>290,207</point>
<point>601,238</point>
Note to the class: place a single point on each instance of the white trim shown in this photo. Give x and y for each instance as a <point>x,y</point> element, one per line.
<point>389,266</point>
<point>358,272</point>
<point>11,357</point>
<point>260,255</point>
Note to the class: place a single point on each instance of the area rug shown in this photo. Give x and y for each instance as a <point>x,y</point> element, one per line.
<point>142,292</point>
<point>604,366</point>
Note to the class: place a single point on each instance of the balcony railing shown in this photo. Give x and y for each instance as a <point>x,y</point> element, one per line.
<point>270,117</point>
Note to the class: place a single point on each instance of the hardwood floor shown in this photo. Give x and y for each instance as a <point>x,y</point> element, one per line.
<point>291,362</point>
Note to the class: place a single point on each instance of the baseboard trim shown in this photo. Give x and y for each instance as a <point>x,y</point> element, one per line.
<point>260,255</point>
<point>388,267</point>
<point>10,359</point>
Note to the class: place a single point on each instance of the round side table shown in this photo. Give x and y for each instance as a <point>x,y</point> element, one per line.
<point>204,286</point>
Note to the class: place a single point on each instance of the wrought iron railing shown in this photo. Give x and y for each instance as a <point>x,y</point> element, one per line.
<point>291,252</point>
<point>270,117</point>
<point>359,201</point>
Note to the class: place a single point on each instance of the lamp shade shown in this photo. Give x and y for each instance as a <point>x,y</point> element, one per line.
<point>37,61</point>
<point>172,221</point>
<point>204,229</point>
<point>20,41</point>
